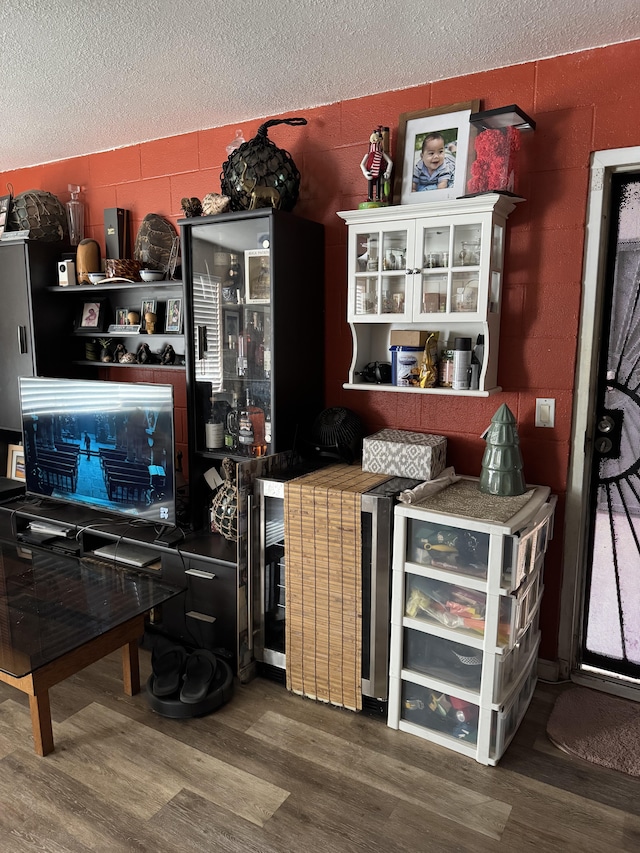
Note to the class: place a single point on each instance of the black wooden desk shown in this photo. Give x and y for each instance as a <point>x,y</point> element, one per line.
<point>59,615</point>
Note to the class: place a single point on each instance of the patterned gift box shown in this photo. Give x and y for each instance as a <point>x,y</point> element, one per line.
<point>400,453</point>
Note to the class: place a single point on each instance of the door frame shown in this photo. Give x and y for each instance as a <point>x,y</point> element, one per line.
<point>603,165</point>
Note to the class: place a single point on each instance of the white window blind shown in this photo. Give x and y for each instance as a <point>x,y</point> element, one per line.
<point>207,314</point>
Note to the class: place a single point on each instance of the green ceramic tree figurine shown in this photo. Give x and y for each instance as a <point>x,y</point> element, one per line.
<point>502,461</point>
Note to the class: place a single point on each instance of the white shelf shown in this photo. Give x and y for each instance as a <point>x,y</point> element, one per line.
<point>406,272</point>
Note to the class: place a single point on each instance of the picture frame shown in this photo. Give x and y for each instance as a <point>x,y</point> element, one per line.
<point>93,315</point>
<point>15,463</point>
<point>173,318</point>
<point>121,317</point>
<point>451,123</point>
<point>257,276</point>
<point>149,306</point>
<point>231,328</point>
<point>5,204</point>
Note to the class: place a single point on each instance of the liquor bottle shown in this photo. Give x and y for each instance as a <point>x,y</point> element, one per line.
<point>267,429</point>
<point>241,360</point>
<point>232,291</point>
<point>231,426</point>
<point>251,427</point>
<point>256,355</point>
<point>214,429</point>
<point>267,345</point>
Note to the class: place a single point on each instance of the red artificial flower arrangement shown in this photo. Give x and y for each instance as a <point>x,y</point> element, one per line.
<point>493,169</point>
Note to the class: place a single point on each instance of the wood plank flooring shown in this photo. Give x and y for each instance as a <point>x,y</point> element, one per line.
<point>272,772</point>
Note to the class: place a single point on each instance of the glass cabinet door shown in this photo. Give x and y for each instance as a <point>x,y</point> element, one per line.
<point>379,274</point>
<point>232,295</point>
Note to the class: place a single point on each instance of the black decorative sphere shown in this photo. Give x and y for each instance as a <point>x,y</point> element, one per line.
<point>259,174</point>
<point>41,213</point>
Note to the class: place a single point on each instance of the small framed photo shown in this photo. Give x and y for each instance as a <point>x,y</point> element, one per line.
<point>173,320</point>
<point>93,315</point>
<point>432,152</point>
<point>15,462</point>
<point>121,316</point>
<point>257,275</point>
<point>149,306</point>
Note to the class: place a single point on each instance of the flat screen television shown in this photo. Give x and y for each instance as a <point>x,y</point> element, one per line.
<point>102,445</point>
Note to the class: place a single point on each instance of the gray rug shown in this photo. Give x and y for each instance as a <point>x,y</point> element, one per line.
<point>600,728</point>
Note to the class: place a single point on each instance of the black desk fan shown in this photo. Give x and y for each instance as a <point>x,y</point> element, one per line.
<point>337,433</point>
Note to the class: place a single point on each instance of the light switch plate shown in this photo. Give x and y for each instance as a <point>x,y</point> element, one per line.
<point>545,412</point>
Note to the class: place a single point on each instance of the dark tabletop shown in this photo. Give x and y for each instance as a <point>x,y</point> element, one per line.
<point>51,604</point>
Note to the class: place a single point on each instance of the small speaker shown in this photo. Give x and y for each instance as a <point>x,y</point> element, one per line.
<point>66,273</point>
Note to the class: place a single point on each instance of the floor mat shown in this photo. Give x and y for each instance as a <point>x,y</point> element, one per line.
<point>597,727</point>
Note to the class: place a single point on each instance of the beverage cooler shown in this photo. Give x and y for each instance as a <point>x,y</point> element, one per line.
<point>268,560</point>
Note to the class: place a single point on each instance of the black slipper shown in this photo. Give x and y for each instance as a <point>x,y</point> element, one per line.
<point>199,673</point>
<point>167,665</point>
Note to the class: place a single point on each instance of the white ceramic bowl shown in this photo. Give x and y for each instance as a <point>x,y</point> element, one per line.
<point>96,277</point>
<point>151,275</point>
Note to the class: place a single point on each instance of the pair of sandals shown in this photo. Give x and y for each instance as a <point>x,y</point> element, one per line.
<point>175,670</point>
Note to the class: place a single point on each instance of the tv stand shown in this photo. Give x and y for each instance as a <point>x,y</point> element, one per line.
<point>204,564</point>
<point>169,536</point>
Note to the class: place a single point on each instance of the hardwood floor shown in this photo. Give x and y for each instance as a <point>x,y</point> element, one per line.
<point>272,772</point>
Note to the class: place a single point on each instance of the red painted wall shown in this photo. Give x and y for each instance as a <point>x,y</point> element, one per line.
<point>582,103</point>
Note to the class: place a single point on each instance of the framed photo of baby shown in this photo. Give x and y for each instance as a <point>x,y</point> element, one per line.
<point>432,153</point>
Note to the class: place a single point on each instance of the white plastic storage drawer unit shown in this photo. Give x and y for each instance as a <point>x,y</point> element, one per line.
<point>466,593</point>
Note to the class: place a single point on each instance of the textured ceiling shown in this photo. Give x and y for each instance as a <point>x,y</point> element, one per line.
<point>80,77</point>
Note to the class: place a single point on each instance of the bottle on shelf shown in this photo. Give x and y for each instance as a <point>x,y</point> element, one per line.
<point>255,354</point>
<point>75,215</point>
<point>232,290</point>
<point>445,366</point>
<point>461,364</point>
<point>242,361</point>
<point>231,426</point>
<point>214,429</point>
<point>251,429</point>
<point>267,429</point>
<point>267,346</point>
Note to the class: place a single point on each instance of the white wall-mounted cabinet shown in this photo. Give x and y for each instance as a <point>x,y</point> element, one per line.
<point>435,266</point>
<point>464,620</point>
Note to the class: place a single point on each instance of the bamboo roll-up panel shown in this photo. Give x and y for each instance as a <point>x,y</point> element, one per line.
<point>323,583</point>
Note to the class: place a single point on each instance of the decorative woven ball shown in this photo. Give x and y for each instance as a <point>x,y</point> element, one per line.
<point>224,507</point>
<point>259,174</point>
<point>41,213</point>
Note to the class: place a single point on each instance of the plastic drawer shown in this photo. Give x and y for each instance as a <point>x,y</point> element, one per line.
<point>435,712</point>
<point>442,659</point>
<point>450,548</point>
<point>532,544</point>
<point>509,666</point>
<point>464,610</point>
<point>505,722</point>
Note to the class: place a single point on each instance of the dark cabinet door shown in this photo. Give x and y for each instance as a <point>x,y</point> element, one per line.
<point>18,358</point>
<point>33,324</point>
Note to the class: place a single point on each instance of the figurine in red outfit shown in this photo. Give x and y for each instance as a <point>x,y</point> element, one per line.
<point>376,166</point>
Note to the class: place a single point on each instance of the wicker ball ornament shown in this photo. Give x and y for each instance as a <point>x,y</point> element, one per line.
<point>41,213</point>
<point>259,174</point>
<point>224,507</point>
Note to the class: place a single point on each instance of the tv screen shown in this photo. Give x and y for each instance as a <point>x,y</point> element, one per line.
<point>104,445</point>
